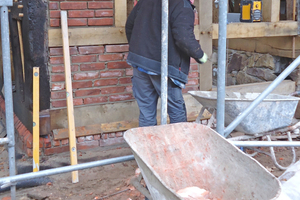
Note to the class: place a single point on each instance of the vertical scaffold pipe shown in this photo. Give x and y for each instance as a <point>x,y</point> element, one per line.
<point>164,60</point>
<point>221,66</point>
<point>9,115</point>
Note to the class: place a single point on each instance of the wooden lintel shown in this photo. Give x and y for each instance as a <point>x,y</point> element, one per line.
<point>112,127</point>
<point>260,29</point>
<point>89,36</point>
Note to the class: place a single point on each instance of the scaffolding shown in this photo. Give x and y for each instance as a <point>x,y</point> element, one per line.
<point>10,141</point>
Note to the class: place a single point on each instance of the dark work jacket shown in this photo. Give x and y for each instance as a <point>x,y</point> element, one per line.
<point>143,31</point>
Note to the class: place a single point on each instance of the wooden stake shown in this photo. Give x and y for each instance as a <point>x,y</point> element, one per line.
<point>21,47</point>
<point>69,94</point>
<point>36,118</point>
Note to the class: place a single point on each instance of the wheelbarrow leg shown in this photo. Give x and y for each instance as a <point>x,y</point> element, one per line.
<point>198,120</point>
<point>274,157</point>
<point>212,118</point>
<point>136,182</point>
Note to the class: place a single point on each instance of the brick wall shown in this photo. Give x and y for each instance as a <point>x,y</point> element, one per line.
<point>82,13</point>
<point>100,75</point>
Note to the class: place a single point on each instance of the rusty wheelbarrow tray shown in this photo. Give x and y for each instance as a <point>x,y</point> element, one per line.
<point>275,111</point>
<point>176,156</point>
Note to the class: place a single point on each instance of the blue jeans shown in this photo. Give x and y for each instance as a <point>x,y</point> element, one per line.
<point>146,90</point>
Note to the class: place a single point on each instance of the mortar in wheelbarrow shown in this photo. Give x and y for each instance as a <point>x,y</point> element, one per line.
<point>176,156</point>
<point>275,111</point>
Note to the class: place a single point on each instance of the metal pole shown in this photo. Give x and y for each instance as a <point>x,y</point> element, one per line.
<point>164,60</point>
<point>221,66</point>
<point>263,95</point>
<point>265,144</point>
<point>6,181</point>
<point>10,129</point>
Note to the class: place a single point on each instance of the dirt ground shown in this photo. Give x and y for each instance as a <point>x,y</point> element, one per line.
<point>100,182</point>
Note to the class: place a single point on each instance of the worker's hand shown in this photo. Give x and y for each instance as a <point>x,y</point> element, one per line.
<point>203,59</point>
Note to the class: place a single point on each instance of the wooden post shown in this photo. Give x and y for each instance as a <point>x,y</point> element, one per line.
<point>271,10</point>
<point>120,13</point>
<point>69,94</point>
<point>205,19</point>
<point>36,118</point>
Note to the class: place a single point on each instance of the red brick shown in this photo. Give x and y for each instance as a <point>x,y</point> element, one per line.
<point>88,145</point>
<point>194,67</point>
<point>77,22</point>
<point>121,97</point>
<point>110,57</point>
<point>29,142</point>
<point>60,68</point>
<point>93,100</point>
<point>47,143</point>
<point>56,60</point>
<point>129,72</point>
<point>116,48</point>
<point>105,82</point>
<point>193,61</point>
<point>185,90</point>
<point>125,56</point>
<point>111,141</point>
<point>81,139</point>
<point>59,51</point>
<point>54,14</point>
<point>65,142</point>
<point>112,90</point>
<point>73,5</point>
<point>196,18</point>
<point>92,66</point>
<point>89,138</point>
<point>53,5</point>
<point>58,78</point>
<point>58,95</point>
<point>82,84</point>
<point>101,22</point>
<point>54,22</point>
<point>118,65</point>
<point>104,13</point>
<point>56,150</point>
<point>108,74</point>
<point>86,75</point>
<point>80,13</point>
<point>77,102</point>
<point>111,135</point>
<point>97,5</point>
<point>85,58</point>
<point>91,50</point>
<point>56,143</point>
<point>192,82</point>
<point>91,92</point>
<point>129,88</point>
<point>29,152</point>
<point>119,134</point>
<point>97,137</point>
<point>193,75</point>
<point>125,80</point>
<point>104,136</point>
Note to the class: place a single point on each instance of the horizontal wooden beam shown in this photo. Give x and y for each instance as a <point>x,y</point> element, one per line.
<point>88,36</point>
<point>111,127</point>
<point>259,29</point>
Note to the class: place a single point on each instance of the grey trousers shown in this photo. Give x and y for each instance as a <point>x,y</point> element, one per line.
<point>146,90</point>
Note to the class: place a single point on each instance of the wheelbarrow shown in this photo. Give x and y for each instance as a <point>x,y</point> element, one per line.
<point>276,111</point>
<point>177,156</point>
<point>274,114</point>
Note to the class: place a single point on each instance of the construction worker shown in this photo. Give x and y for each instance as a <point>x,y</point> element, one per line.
<point>143,31</point>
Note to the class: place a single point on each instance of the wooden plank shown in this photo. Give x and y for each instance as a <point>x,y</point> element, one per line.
<point>277,46</point>
<point>70,106</point>
<point>36,119</point>
<point>120,13</point>
<point>205,28</point>
<point>271,10</point>
<point>262,29</point>
<point>289,9</point>
<point>89,36</point>
<point>112,127</point>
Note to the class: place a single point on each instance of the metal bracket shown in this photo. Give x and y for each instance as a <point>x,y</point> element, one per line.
<point>6,3</point>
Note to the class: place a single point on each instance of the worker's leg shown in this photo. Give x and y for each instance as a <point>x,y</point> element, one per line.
<point>146,97</point>
<point>176,105</point>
